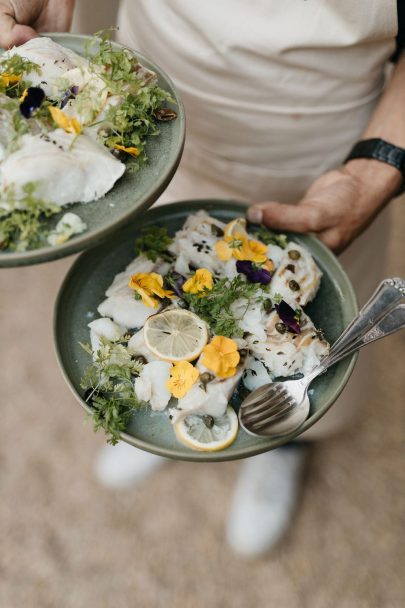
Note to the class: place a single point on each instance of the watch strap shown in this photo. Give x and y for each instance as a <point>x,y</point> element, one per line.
<point>378,149</point>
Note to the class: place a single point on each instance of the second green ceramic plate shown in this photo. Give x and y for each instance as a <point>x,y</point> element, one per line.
<point>83,290</point>
<point>132,194</point>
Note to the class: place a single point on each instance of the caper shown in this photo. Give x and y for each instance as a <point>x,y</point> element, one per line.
<point>208,421</point>
<point>281,328</point>
<point>243,353</point>
<point>293,285</point>
<point>216,230</point>
<point>141,359</point>
<point>290,267</point>
<point>293,254</point>
<point>165,114</point>
<point>205,378</point>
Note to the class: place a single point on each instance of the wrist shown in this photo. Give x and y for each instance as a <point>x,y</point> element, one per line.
<point>376,180</point>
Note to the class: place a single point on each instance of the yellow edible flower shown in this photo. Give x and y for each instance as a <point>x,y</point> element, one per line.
<point>131,150</point>
<point>65,122</point>
<point>23,96</point>
<point>182,377</point>
<point>241,248</point>
<point>148,285</point>
<point>200,282</point>
<point>221,356</point>
<point>8,79</point>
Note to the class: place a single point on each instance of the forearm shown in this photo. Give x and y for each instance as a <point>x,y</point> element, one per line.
<point>387,123</point>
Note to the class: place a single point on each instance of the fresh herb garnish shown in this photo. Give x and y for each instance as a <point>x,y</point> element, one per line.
<point>133,119</point>
<point>268,237</point>
<point>21,226</point>
<point>214,306</point>
<point>154,244</point>
<point>109,386</point>
<point>16,66</point>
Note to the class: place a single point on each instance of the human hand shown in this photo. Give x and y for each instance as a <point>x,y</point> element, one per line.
<point>21,20</point>
<point>338,206</point>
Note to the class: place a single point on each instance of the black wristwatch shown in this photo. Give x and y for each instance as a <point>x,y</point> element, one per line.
<point>381,150</point>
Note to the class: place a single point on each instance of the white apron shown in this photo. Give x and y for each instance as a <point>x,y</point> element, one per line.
<point>276,93</point>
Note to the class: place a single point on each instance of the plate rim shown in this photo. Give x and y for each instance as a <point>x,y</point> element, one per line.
<point>86,240</point>
<point>221,456</point>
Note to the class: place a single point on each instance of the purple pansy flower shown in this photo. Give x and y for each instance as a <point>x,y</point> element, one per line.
<point>253,272</point>
<point>33,98</point>
<point>68,95</point>
<point>175,281</point>
<point>288,316</point>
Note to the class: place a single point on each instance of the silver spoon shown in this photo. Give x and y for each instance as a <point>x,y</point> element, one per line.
<point>280,407</point>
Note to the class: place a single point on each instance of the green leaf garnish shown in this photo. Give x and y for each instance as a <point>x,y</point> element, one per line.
<point>214,306</point>
<point>21,225</point>
<point>109,386</point>
<point>154,244</point>
<point>268,237</point>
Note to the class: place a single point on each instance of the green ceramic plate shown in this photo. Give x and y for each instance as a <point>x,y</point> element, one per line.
<point>132,194</point>
<point>89,277</point>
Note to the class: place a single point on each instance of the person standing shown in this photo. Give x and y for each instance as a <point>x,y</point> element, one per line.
<point>277,96</point>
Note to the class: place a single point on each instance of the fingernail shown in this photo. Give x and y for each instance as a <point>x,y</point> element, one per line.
<point>255,215</point>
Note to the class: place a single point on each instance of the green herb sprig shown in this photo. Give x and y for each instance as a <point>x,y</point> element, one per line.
<point>215,306</point>
<point>268,237</point>
<point>154,244</point>
<point>132,120</point>
<point>21,219</point>
<point>109,387</point>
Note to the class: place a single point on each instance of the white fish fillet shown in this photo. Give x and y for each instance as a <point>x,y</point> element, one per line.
<point>53,59</point>
<point>150,386</point>
<point>137,346</point>
<point>66,168</point>
<point>305,272</point>
<point>283,354</point>
<point>212,399</point>
<point>104,328</point>
<point>194,245</point>
<point>126,311</point>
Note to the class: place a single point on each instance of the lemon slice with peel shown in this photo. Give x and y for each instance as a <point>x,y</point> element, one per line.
<point>237,226</point>
<point>208,434</point>
<point>175,335</point>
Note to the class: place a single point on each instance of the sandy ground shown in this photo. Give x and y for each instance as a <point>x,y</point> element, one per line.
<point>67,542</point>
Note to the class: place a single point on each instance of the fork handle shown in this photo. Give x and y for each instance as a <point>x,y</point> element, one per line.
<point>387,295</point>
<point>392,322</point>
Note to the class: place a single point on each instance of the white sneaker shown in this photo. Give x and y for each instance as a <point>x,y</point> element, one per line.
<point>264,500</point>
<point>122,465</point>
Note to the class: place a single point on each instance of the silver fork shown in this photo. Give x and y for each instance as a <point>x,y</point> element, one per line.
<point>280,407</point>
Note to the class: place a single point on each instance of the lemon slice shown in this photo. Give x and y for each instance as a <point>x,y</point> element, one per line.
<point>175,335</point>
<point>237,226</point>
<point>208,434</point>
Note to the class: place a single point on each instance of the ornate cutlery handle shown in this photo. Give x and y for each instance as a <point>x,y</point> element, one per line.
<point>387,295</point>
<point>393,321</point>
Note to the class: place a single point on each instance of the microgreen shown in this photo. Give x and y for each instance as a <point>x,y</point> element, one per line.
<point>268,237</point>
<point>214,306</point>
<point>154,244</point>
<point>21,225</point>
<point>109,386</point>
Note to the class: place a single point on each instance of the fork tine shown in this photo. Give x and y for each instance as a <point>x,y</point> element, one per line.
<point>264,396</point>
<point>260,425</point>
<point>266,400</point>
<point>266,407</point>
<point>267,417</point>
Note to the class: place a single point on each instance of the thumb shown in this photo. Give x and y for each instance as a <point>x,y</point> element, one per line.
<point>13,34</point>
<point>303,217</point>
